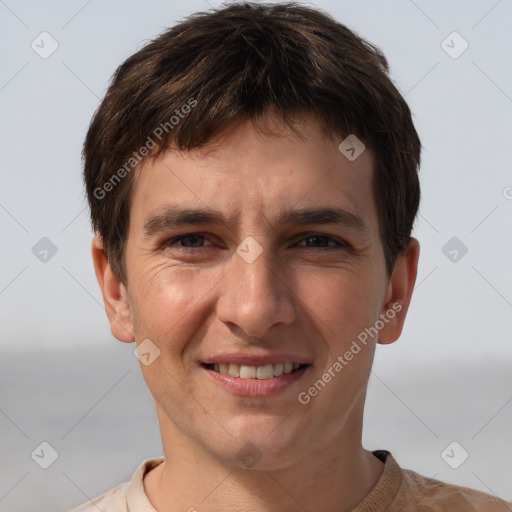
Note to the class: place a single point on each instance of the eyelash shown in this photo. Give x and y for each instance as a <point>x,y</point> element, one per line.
<point>340,243</point>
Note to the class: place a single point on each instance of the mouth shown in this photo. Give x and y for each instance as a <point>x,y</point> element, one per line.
<point>262,380</point>
<point>262,372</point>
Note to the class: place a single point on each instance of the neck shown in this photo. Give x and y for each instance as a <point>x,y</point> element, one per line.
<point>336,475</point>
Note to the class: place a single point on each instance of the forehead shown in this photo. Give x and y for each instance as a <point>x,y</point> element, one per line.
<point>254,172</point>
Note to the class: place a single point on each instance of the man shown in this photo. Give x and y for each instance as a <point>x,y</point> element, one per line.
<point>252,178</point>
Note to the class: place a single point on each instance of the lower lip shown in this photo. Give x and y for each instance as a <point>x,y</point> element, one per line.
<point>257,387</point>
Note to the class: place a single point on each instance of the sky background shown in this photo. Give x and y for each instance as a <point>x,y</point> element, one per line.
<point>455,354</point>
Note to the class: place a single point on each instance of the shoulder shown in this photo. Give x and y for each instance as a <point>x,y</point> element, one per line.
<point>113,501</point>
<point>434,495</point>
<point>126,496</point>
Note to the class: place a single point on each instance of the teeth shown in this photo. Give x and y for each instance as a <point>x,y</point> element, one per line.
<point>247,372</point>
<point>265,372</point>
<point>255,372</point>
<point>278,369</point>
<point>234,370</point>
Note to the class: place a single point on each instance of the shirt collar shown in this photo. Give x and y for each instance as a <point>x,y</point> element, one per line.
<point>380,498</point>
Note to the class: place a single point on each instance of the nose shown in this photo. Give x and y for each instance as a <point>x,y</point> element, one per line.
<point>255,296</point>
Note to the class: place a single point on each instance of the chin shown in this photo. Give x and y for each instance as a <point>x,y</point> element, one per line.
<point>264,442</point>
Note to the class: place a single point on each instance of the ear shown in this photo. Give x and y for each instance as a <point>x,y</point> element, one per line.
<point>399,293</point>
<point>115,295</point>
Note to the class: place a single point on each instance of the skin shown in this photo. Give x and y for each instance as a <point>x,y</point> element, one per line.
<point>198,298</point>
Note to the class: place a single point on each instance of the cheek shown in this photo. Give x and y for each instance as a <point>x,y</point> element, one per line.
<point>341,304</point>
<point>168,303</point>
<point>168,299</point>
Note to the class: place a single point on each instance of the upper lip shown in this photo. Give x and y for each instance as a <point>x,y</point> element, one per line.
<point>255,360</point>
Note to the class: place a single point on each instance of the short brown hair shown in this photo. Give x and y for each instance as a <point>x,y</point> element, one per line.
<point>240,62</point>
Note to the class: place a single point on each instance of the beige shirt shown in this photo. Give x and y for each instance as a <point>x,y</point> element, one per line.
<point>398,490</point>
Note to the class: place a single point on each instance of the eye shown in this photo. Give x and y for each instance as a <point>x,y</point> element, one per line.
<point>196,241</point>
<point>314,241</point>
<point>322,242</point>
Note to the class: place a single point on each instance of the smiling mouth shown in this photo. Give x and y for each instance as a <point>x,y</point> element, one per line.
<point>267,371</point>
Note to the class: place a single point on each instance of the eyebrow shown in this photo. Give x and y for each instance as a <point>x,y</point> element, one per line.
<point>173,216</point>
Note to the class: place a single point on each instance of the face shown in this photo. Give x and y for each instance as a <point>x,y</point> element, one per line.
<point>260,258</point>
